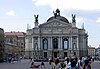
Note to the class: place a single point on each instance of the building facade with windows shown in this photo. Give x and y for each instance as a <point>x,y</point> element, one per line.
<point>14,44</point>
<point>91,51</point>
<point>57,37</point>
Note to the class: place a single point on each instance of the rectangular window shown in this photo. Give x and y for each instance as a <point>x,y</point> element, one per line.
<point>65,44</point>
<point>45,46</point>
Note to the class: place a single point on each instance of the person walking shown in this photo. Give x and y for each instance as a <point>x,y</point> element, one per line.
<point>67,62</point>
<point>80,63</point>
<point>42,63</point>
<point>86,65</point>
<point>50,60</point>
<point>32,62</point>
<point>56,64</point>
<point>73,64</point>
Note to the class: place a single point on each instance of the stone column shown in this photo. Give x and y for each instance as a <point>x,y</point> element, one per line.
<point>51,46</point>
<point>83,42</point>
<point>51,43</point>
<point>69,43</point>
<point>71,47</point>
<point>77,47</point>
<point>32,46</point>
<point>39,43</point>
<point>77,44</point>
<point>41,46</point>
<point>59,43</point>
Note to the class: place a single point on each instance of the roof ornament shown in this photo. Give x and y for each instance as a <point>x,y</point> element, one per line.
<point>36,18</point>
<point>73,17</point>
<point>56,13</point>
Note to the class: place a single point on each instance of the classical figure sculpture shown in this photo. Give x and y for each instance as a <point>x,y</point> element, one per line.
<point>58,11</point>
<point>73,18</point>
<point>55,14</point>
<point>36,18</point>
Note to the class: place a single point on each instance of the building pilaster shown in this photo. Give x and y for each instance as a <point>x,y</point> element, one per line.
<point>39,43</point>
<point>61,43</point>
<point>77,43</point>
<point>51,47</point>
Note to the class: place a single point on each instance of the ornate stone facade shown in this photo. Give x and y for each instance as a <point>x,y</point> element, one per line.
<point>57,38</point>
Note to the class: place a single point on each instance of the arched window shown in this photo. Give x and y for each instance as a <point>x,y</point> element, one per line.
<point>45,43</point>
<point>55,43</point>
<point>65,43</point>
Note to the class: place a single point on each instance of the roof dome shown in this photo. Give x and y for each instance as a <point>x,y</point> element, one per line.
<point>61,18</point>
<point>57,16</point>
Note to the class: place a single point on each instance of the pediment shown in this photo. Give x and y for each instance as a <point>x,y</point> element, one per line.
<point>55,23</point>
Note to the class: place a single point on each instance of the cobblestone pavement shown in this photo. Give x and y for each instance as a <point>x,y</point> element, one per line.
<point>96,65</point>
<point>25,64</point>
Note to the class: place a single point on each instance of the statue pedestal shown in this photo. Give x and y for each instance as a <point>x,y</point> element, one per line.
<point>72,54</point>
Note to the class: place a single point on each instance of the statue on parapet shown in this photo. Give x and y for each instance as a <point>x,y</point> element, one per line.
<point>73,18</point>
<point>55,14</point>
<point>36,18</point>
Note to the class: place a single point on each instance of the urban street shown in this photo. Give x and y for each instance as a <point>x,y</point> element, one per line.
<point>25,64</point>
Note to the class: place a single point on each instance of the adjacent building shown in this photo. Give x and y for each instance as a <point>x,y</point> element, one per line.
<point>91,51</point>
<point>98,52</point>
<point>57,37</point>
<point>14,43</point>
<point>1,44</point>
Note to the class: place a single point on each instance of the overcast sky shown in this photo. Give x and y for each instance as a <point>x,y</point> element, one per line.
<point>16,14</point>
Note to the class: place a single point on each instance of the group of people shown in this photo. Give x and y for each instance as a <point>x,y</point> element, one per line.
<point>37,65</point>
<point>67,63</point>
<point>72,63</point>
<point>12,59</point>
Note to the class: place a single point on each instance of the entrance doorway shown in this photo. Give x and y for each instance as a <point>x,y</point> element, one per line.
<point>45,54</point>
<point>55,54</point>
<point>65,54</point>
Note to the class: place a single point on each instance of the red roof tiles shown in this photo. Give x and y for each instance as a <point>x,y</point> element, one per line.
<point>15,33</point>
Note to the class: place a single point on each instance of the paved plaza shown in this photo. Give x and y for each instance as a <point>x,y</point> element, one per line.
<point>25,64</point>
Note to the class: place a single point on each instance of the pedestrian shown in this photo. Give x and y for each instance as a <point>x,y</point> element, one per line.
<point>67,62</point>
<point>50,60</point>
<point>42,63</point>
<point>9,59</point>
<point>73,64</point>
<point>56,64</point>
<point>80,63</point>
<point>32,62</point>
<point>63,65</point>
<point>86,65</point>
